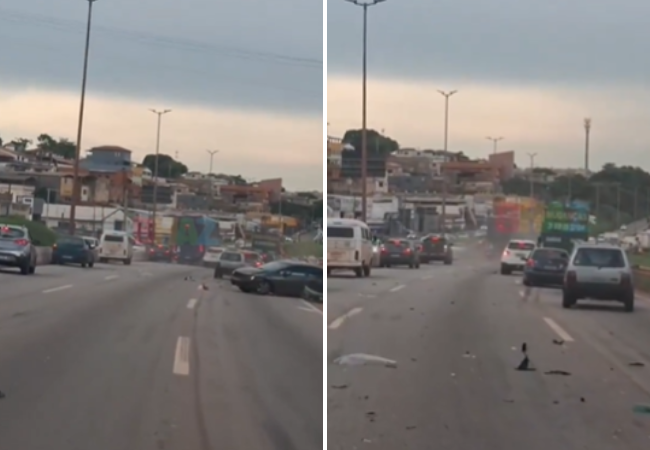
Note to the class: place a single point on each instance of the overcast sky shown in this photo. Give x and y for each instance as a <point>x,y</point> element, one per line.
<point>233,72</point>
<point>528,71</point>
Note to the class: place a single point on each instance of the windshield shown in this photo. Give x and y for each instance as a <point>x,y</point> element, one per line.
<point>549,254</point>
<point>274,266</point>
<point>11,233</point>
<point>599,257</point>
<point>521,246</point>
<point>113,238</point>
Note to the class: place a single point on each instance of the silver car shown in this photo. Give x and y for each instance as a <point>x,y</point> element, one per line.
<point>230,261</point>
<point>598,272</point>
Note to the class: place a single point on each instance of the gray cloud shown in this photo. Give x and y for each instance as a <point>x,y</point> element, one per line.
<point>502,41</point>
<point>246,53</point>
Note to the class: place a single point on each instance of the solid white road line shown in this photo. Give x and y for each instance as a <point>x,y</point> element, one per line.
<point>57,289</point>
<point>566,337</point>
<point>192,303</point>
<point>339,321</point>
<point>309,307</point>
<point>399,287</point>
<point>182,357</point>
<point>111,277</point>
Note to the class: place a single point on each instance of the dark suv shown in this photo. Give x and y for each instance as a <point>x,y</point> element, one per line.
<point>16,249</point>
<point>436,248</point>
<point>399,252</point>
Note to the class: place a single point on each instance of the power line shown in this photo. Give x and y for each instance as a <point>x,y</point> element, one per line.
<point>77,27</point>
<point>137,62</point>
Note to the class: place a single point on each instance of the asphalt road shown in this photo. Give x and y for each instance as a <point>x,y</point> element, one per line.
<point>455,335</point>
<point>137,358</point>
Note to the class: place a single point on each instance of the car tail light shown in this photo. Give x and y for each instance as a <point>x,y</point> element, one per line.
<point>626,280</point>
<point>506,253</point>
<point>571,277</point>
<point>407,251</point>
<point>530,263</point>
<point>54,246</point>
<point>21,242</point>
<point>201,248</point>
<point>258,264</point>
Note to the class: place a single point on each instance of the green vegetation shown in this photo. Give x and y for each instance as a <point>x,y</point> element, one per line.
<point>617,195</point>
<point>38,231</point>
<point>303,249</point>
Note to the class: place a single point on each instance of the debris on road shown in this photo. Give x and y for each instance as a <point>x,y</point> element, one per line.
<point>558,341</point>
<point>339,386</point>
<point>362,359</point>
<point>2,394</point>
<point>557,372</point>
<point>525,366</point>
<point>641,409</point>
<point>636,364</point>
<point>467,354</point>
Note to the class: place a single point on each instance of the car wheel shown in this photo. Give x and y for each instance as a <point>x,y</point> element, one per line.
<point>244,289</point>
<point>218,274</point>
<point>628,303</point>
<point>505,270</point>
<point>366,271</point>
<point>83,265</point>
<point>91,265</point>
<point>568,301</point>
<point>358,272</point>
<point>448,262</point>
<point>417,265</point>
<point>127,262</point>
<point>24,269</point>
<point>411,265</point>
<point>264,288</point>
<point>32,270</point>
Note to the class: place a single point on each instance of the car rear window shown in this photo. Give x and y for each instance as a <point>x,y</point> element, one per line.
<point>436,239</point>
<point>599,257</point>
<point>251,257</point>
<point>547,253</point>
<point>231,256</point>
<point>70,241</point>
<point>340,232</point>
<point>113,238</point>
<point>397,244</point>
<point>521,246</point>
<point>11,233</point>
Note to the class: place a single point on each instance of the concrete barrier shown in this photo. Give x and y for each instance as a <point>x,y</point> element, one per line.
<point>43,256</point>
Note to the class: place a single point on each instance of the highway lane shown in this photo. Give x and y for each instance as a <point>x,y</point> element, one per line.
<point>147,360</point>
<point>457,340</point>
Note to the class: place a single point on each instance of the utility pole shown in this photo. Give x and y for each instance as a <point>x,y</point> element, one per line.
<point>446,149</point>
<point>365,4</point>
<point>76,188</point>
<point>495,142</point>
<point>211,153</point>
<point>587,125</point>
<point>531,177</point>
<point>155,169</point>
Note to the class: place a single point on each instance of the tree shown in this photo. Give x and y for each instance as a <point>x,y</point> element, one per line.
<point>21,143</point>
<point>616,194</point>
<point>62,147</point>
<point>167,166</point>
<point>376,141</point>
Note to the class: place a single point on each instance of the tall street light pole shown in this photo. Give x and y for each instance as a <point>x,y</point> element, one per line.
<point>76,188</point>
<point>587,125</point>
<point>495,142</point>
<point>532,166</point>
<point>155,169</point>
<point>446,149</point>
<point>211,153</point>
<point>365,4</point>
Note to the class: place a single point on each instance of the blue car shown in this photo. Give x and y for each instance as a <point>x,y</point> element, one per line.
<point>545,267</point>
<point>73,250</point>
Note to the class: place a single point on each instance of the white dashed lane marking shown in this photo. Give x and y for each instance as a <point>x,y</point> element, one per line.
<point>111,277</point>
<point>182,357</point>
<point>340,320</point>
<point>57,289</point>
<point>192,303</point>
<point>553,325</point>
<point>399,287</point>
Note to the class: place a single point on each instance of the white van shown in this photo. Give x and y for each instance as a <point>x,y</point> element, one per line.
<point>349,246</point>
<point>115,246</point>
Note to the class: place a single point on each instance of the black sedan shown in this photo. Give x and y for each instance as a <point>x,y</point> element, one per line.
<point>160,253</point>
<point>399,252</point>
<point>287,278</point>
<point>545,267</point>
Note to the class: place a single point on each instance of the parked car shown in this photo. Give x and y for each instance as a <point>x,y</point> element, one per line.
<point>546,267</point>
<point>288,278</point>
<point>598,272</point>
<point>436,247</point>
<point>17,248</point>
<point>72,250</point>
<point>229,261</point>
<point>399,252</point>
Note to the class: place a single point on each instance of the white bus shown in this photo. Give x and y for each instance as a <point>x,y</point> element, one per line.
<point>349,246</point>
